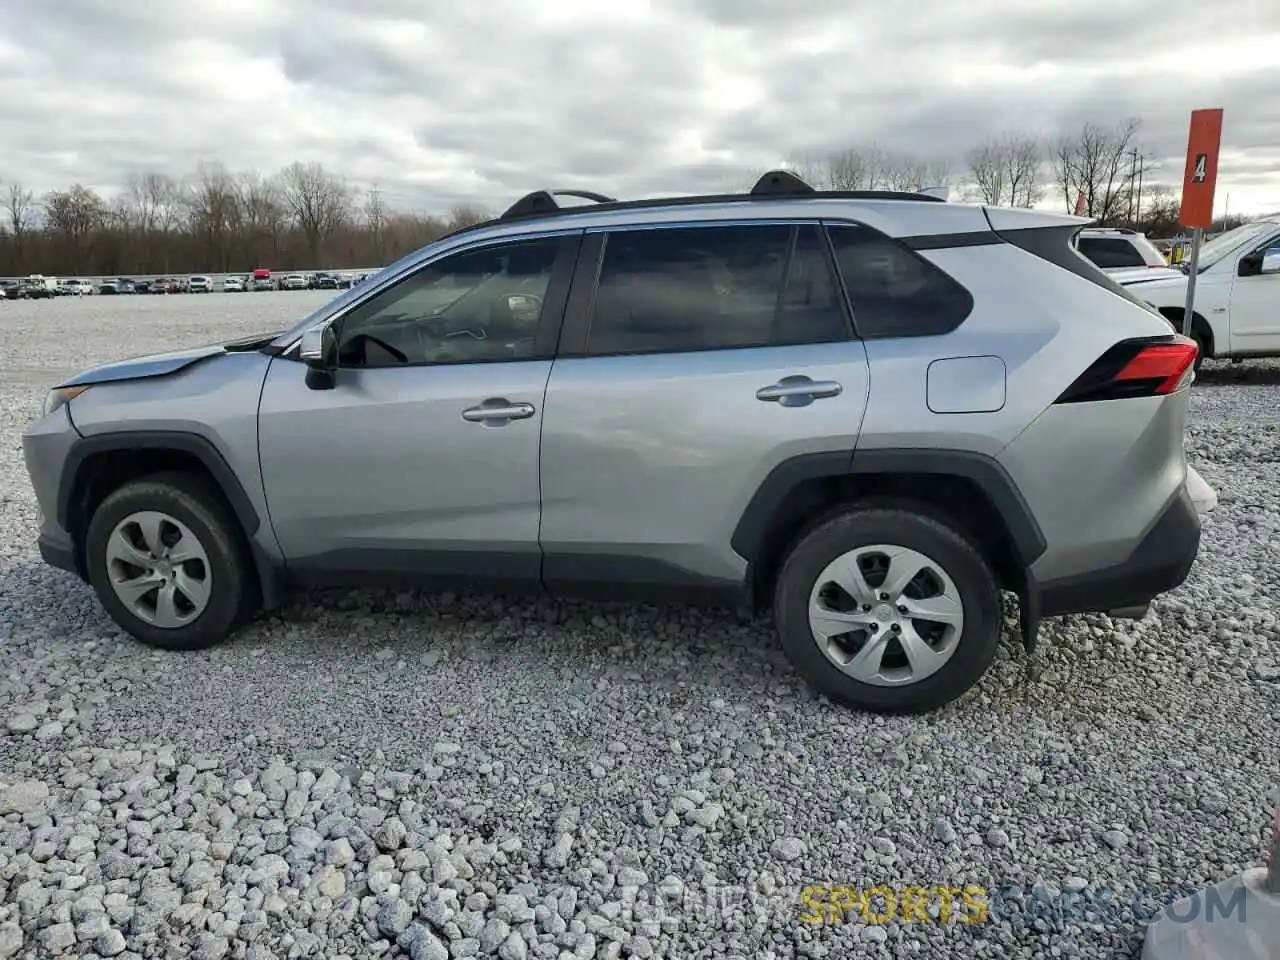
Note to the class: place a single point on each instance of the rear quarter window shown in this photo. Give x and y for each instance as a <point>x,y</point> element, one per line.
<point>893,291</point>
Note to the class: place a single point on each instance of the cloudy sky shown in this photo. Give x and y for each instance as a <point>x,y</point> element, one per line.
<point>439,102</point>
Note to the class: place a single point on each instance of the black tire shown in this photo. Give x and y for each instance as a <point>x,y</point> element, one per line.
<point>192,501</point>
<point>814,549</point>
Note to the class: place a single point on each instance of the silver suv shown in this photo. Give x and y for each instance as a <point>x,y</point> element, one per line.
<point>871,411</point>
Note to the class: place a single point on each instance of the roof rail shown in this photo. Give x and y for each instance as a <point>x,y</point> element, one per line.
<point>544,201</point>
<point>774,185</point>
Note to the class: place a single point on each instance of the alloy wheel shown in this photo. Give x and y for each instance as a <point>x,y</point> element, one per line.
<point>159,569</point>
<point>886,615</point>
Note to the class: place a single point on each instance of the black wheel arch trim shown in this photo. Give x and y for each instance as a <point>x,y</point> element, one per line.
<point>991,478</point>
<point>190,443</point>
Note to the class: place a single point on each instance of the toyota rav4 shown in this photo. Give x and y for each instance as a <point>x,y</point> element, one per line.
<point>869,411</point>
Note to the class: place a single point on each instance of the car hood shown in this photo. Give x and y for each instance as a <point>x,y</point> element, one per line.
<point>163,364</point>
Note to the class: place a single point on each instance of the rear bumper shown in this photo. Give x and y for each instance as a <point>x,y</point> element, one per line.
<point>1160,562</point>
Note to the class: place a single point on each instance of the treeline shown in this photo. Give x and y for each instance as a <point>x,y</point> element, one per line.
<point>1105,170</point>
<point>306,217</point>
<point>212,220</point>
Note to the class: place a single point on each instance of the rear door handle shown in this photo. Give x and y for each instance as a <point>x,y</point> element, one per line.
<point>799,391</point>
<point>497,411</point>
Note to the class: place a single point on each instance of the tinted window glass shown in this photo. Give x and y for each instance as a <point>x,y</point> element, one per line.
<point>893,291</point>
<point>472,306</point>
<point>709,288</point>
<point>1109,252</point>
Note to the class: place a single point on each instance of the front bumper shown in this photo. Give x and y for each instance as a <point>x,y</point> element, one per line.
<point>1159,563</point>
<point>46,444</point>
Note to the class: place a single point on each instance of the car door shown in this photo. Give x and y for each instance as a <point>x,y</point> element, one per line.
<point>422,459</point>
<point>702,358</point>
<point>1255,304</point>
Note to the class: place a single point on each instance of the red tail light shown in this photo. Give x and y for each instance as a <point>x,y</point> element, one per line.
<point>1143,367</point>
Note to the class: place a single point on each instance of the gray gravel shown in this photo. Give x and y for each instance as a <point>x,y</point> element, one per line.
<point>389,774</point>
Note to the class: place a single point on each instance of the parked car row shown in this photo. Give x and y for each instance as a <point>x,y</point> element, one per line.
<point>38,286</point>
<point>35,287</point>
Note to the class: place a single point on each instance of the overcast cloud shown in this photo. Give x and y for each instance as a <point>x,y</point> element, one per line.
<point>481,100</point>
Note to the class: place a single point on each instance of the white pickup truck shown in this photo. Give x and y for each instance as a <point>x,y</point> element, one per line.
<point>1237,306</point>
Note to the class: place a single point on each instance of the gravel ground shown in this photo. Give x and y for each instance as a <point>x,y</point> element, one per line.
<point>367,774</point>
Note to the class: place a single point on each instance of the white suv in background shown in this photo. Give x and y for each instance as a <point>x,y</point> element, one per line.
<point>1116,248</point>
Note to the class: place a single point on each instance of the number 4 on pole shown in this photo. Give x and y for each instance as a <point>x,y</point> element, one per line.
<point>1201,174</point>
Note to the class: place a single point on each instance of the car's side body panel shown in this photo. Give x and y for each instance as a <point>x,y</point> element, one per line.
<point>383,473</point>
<point>658,456</point>
<point>215,400</point>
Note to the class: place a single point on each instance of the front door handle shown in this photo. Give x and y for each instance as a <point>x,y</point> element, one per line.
<point>799,391</point>
<point>497,411</point>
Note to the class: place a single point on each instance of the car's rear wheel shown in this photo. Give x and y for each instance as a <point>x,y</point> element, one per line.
<point>887,610</point>
<point>167,562</point>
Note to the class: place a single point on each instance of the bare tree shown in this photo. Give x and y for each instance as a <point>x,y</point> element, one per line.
<point>408,231</point>
<point>318,201</point>
<point>19,210</point>
<point>154,206</point>
<point>464,215</point>
<point>214,212</point>
<point>1094,162</point>
<point>871,168</point>
<point>848,170</point>
<point>1159,214</point>
<point>1005,170</point>
<point>74,215</point>
<point>263,208</point>
<point>375,219</point>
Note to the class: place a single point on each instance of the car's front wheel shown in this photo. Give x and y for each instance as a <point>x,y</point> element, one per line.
<point>166,560</point>
<point>887,610</point>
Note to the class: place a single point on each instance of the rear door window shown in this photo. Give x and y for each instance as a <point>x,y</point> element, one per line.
<point>681,289</point>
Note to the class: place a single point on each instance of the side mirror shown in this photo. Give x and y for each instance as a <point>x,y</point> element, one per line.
<point>1250,265</point>
<point>524,307</point>
<point>319,351</point>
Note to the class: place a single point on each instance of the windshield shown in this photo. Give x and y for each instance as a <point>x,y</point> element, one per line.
<point>1221,246</point>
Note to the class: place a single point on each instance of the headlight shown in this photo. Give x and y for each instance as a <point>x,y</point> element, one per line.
<point>60,397</point>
